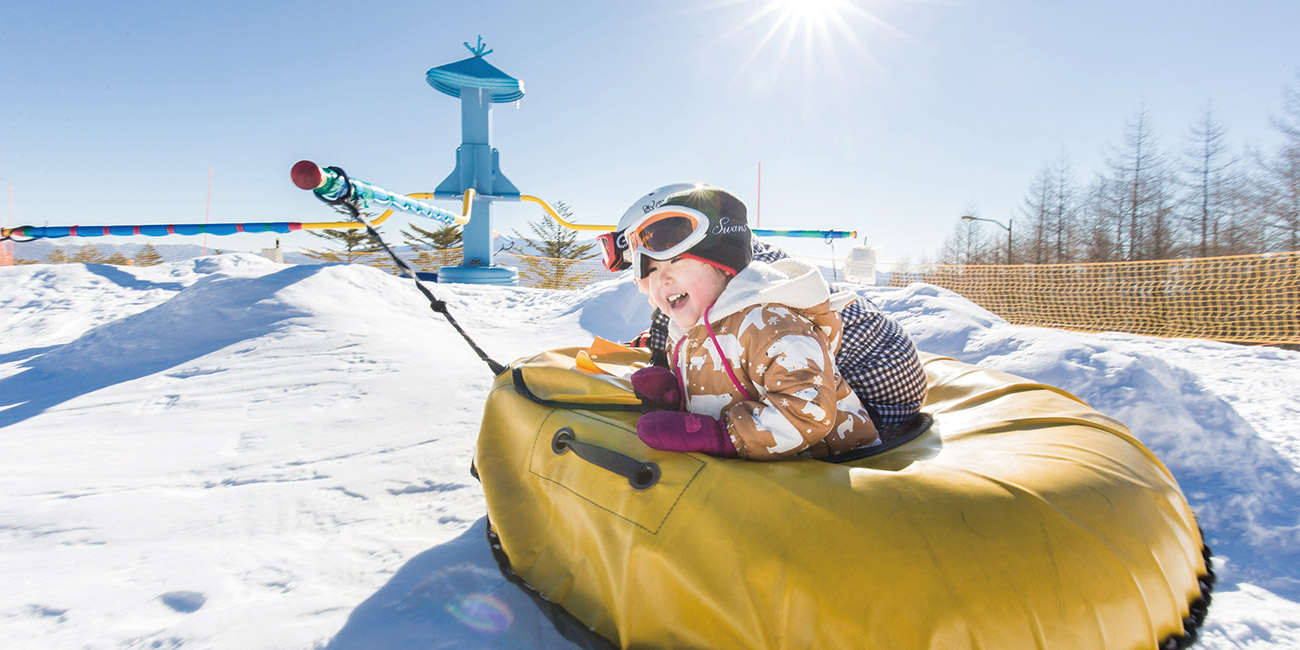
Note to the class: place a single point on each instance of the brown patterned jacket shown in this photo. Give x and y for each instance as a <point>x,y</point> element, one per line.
<point>776,327</point>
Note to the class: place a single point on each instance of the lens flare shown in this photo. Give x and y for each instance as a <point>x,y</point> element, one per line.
<point>482,612</point>
<point>830,36</point>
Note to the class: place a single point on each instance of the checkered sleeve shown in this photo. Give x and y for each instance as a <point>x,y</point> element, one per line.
<point>659,338</point>
<point>876,356</point>
<point>880,362</point>
<point>765,252</point>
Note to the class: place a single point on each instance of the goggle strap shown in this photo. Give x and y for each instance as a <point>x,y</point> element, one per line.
<point>717,265</point>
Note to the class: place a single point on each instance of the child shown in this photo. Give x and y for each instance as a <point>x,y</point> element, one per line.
<point>753,344</point>
<point>876,356</point>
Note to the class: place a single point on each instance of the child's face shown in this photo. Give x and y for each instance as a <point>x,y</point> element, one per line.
<point>683,288</point>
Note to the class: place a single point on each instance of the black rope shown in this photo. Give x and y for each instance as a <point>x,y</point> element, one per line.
<point>440,306</point>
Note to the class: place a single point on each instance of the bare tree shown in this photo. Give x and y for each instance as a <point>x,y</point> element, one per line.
<point>1037,211</point>
<point>1102,224</point>
<point>1213,187</point>
<point>1065,213</point>
<point>1050,209</point>
<point>1139,196</point>
<point>1279,182</point>
<point>968,243</point>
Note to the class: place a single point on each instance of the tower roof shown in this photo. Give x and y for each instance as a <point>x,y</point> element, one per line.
<point>474,72</point>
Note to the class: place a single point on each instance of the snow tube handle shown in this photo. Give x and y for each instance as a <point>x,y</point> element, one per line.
<point>641,475</point>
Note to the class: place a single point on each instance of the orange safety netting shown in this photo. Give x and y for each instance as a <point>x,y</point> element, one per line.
<point>1246,299</point>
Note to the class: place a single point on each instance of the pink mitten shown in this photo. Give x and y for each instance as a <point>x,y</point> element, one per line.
<point>658,388</point>
<point>673,431</point>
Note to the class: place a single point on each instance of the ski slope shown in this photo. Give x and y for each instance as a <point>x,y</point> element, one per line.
<point>231,453</point>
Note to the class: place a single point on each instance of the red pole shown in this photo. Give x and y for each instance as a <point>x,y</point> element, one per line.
<point>7,253</point>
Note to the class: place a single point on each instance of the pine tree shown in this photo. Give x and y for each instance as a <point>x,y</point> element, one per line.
<point>148,256</point>
<point>57,256</point>
<point>88,255</point>
<point>558,251</point>
<point>116,259</point>
<point>355,245</point>
<point>431,246</point>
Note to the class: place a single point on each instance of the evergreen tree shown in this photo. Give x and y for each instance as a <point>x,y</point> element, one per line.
<point>355,245</point>
<point>88,255</point>
<point>57,256</point>
<point>431,246</point>
<point>116,259</point>
<point>148,256</point>
<point>558,251</point>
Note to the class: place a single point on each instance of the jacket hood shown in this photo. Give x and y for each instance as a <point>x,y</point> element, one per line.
<point>788,282</point>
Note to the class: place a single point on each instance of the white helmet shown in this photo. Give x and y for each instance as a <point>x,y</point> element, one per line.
<point>651,201</point>
<point>614,244</point>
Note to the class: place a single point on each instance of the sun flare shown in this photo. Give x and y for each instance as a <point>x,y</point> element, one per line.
<point>829,36</point>
<point>811,10</point>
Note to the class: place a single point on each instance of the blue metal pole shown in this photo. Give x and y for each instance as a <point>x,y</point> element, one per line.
<point>476,152</point>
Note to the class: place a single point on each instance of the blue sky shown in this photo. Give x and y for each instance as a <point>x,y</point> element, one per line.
<point>893,121</point>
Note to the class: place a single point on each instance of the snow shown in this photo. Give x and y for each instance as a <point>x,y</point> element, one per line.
<point>231,453</point>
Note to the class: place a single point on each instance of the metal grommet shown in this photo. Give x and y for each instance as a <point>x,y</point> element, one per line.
<point>645,478</point>
<point>560,443</point>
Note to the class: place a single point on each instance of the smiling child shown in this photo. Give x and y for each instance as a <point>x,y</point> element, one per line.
<point>753,345</point>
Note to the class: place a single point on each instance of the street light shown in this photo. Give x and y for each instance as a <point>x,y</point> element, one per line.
<point>967,217</point>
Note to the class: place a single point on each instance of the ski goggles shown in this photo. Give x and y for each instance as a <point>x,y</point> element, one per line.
<point>665,233</point>
<point>613,247</point>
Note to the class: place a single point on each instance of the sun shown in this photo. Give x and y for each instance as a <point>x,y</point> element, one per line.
<point>811,10</point>
<point>825,34</point>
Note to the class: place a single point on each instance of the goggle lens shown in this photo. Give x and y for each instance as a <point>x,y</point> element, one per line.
<point>659,236</point>
<point>665,233</point>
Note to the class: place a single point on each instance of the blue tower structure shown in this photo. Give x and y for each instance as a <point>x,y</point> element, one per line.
<point>479,85</point>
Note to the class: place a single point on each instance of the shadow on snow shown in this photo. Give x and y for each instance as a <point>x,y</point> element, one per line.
<point>211,314</point>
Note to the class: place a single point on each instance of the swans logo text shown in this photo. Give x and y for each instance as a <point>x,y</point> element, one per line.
<point>724,227</point>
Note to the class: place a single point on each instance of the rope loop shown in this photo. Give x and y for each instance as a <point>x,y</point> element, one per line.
<point>8,235</point>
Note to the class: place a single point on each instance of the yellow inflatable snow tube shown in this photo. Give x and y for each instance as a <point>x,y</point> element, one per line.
<point>1021,519</point>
